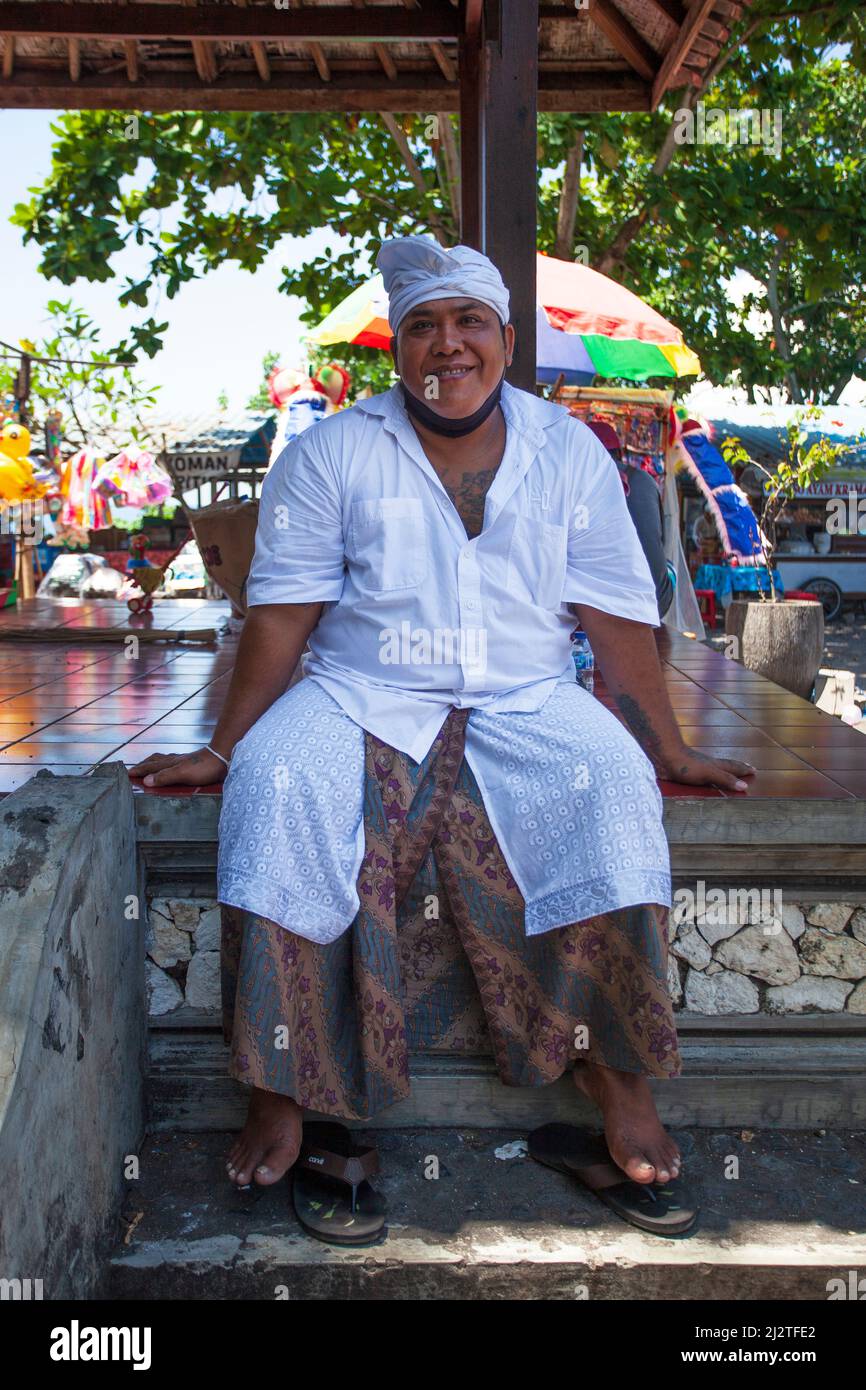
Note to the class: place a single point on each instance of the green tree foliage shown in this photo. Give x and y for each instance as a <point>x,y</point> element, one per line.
<point>261,400</point>
<point>787,213</point>
<point>675,221</point>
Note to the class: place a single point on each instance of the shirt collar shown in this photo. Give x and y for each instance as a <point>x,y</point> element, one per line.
<point>526,414</point>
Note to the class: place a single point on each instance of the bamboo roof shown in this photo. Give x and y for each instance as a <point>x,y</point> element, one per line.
<point>349,55</point>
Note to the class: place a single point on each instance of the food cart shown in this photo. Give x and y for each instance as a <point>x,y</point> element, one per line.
<point>823,543</point>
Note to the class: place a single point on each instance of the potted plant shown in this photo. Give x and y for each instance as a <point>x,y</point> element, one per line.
<point>782,641</point>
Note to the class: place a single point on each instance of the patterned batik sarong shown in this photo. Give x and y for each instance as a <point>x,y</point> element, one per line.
<point>437,959</point>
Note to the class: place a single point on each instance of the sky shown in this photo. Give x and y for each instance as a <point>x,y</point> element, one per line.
<point>220,326</point>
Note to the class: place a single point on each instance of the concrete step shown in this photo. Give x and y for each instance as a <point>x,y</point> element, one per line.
<point>755,1078</point>
<point>790,1220</point>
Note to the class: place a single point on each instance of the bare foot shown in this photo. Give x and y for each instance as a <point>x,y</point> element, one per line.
<point>269,1142</point>
<point>638,1142</point>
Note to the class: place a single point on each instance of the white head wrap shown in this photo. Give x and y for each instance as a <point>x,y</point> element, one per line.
<point>417,268</point>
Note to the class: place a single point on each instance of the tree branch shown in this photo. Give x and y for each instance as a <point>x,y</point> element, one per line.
<point>399,137</point>
<point>452,168</point>
<point>618,248</point>
<point>783,342</point>
<point>568,199</point>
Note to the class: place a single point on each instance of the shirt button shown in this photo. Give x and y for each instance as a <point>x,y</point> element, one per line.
<point>471,604</point>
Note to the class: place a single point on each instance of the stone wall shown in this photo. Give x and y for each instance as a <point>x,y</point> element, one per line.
<point>72,1025</point>
<point>749,952</point>
<point>183,960</point>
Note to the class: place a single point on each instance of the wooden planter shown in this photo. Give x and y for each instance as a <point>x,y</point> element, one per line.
<point>784,641</point>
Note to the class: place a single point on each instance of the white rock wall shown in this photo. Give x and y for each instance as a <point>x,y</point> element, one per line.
<point>805,958</point>
<point>183,954</point>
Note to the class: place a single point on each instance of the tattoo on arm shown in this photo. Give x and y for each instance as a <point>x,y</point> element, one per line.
<point>639,723</point>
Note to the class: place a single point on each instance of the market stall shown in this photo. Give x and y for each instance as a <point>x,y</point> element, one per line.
<point>211,455</point>
<point>821,545</point>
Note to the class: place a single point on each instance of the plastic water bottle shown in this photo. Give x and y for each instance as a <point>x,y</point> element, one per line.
<point>584,661</point>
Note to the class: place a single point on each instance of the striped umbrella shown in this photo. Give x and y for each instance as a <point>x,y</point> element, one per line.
<point>588,326</point>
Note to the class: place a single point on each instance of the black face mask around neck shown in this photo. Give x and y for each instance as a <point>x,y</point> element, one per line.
<point>439,424</point>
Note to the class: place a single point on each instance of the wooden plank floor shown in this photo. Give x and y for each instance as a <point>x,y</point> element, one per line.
<point>68,706</point>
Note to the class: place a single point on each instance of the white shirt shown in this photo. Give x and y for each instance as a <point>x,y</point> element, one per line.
<point>418,617</point>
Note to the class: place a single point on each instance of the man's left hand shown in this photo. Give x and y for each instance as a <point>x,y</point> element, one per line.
<point>699,769</point>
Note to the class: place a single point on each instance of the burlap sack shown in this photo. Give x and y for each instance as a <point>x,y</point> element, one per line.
<point>225,533</point>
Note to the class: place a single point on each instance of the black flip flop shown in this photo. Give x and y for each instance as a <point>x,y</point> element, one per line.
<point>665,1211</point>
<point>332,1196</point>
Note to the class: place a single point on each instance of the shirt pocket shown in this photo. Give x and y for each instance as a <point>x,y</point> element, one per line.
<point>389,543</point>
<point>536,562</point>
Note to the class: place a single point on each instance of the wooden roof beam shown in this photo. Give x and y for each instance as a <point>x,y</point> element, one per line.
<point>679,49</point>
<point>473,16</point>
<point>437,21</point>
<point>389,67</point>
<point>711,29</point>
<point>625,39</point>
<point>315,51</point>
<point>259,52</point>
<point>205,62</point>
<point>444,63</point>
<point>203,54</point>
<point>174,91</point>
<point>74,59</point>
<point>8,55</point>
<point>671,10</point>
<point>130,49</point>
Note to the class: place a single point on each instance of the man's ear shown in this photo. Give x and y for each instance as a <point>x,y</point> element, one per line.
<point>393,347</point>
<point>509,336</point>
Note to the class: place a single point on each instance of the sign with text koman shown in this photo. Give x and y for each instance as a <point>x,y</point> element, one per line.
<point>190,470</point>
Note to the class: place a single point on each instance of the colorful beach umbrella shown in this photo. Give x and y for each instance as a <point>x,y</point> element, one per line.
<point>621,336</point>
<point>588,326</point>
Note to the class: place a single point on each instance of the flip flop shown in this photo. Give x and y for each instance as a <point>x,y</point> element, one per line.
<point>665,1211</point>
<point>331,1193</point>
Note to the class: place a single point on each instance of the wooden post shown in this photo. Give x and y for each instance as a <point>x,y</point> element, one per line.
<point>472,141</point>
<point>22,389</point>
<point>510,170</point>
<point>23,563</point>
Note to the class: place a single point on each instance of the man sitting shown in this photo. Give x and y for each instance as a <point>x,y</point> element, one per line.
<point>438,812</point>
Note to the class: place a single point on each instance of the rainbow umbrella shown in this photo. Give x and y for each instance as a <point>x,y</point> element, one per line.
<point>588,326</point>
<point>619,335</point>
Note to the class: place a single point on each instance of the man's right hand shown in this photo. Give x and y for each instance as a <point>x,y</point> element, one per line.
<point>199,769</point>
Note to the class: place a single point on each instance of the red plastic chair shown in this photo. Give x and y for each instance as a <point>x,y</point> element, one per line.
<point>707,603</point>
